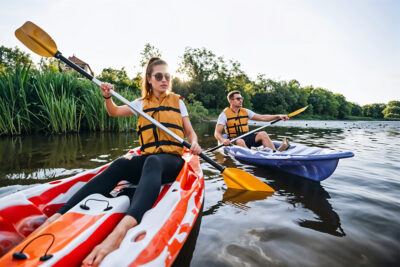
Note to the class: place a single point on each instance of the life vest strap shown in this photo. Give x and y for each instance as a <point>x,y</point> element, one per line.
<point>162,108</point>
<point>161,143</point>
<point>152,126</point>
<point>237,117</point>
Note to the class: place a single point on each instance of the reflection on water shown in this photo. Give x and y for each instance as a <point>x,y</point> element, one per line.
<point>238,199</point>
<point>309,195</point>
<point>47,158</point>
<point>351,218</point>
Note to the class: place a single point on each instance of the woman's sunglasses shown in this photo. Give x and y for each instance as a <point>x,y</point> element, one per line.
<point>159,76</point>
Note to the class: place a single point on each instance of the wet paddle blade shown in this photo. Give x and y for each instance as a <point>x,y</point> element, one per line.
<point>294,113</point>
<point>239,179</point>
<point>236,196</point>
<point>36,39</point>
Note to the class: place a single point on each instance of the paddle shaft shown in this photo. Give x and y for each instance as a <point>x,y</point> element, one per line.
<point>147,117</point>
<point>243,135</point>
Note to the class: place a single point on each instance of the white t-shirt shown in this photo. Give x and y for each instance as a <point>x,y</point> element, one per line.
<point>138,104</point>
<point>222,117</point>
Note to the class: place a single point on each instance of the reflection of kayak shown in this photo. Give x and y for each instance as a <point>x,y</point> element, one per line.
<point>309,162</point>
<point>155,241</point>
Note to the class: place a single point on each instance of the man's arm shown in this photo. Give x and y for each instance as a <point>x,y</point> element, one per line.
<point>218,135</point>
<point>266,117</point>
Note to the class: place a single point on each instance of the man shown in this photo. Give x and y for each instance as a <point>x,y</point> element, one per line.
<point>234,120</point>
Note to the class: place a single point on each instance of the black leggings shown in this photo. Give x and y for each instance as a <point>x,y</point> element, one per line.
<point>148,172</point>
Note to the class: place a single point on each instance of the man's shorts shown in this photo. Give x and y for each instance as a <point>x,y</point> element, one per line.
<point>250,140</point>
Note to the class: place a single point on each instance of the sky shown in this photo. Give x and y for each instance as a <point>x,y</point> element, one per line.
<point>351,47</point>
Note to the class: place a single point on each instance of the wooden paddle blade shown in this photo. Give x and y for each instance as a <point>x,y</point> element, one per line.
<point>36,39</point>
<point>239,179</point>
<point>294,113</point>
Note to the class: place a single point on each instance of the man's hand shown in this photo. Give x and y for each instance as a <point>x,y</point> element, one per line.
<point>284,117</point>
<point>227,142</point>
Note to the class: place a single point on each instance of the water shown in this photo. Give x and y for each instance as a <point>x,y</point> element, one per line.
<point>350,219</point>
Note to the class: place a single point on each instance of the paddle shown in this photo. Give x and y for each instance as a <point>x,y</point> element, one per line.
<point>42,44</point>
<point>255,130</point>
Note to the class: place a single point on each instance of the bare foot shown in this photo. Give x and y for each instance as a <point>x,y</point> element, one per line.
<point>284,145</point>
<point>111,243</point>
<point>95,257</point>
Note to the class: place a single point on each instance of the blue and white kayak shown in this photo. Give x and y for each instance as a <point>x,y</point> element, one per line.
<point>308,162</point>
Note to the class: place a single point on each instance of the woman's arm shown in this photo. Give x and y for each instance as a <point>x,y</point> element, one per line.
<point>112,109</point>
<point>191,136</point>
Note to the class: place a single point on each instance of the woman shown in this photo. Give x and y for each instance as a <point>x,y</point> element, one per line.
<point>159,163</point>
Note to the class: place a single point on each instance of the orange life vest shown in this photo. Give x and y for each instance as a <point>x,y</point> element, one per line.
<point>165,110</point>
<point>236,124</point>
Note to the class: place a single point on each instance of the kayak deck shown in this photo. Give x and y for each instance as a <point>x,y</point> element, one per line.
<point>309,162</point>
<point>158,238</point>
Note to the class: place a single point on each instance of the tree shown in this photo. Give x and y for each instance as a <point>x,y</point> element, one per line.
<point>119,78</point>
<point>317,100</point>
<point>241,83</point>
<point>195,108</point>
<point>356,110</point>
<point>49,64</point>
<point>180,87</point>
<point>344,106</point>
<point>258,101</point>
<point>374,110</point>
<point>199,64</point>
<point>148,52</point>
<point>11,57</point>
<point>392,110</point>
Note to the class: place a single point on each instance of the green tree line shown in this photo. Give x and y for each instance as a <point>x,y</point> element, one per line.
<point>48,99</point>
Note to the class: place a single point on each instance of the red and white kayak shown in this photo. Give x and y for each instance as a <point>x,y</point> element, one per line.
<point>156,241</point>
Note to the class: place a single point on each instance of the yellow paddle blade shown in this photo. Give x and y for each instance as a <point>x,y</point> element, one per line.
<point>294,113</point>
<point>239,179</point>
<point>236,196</point>
<point>36,39</point>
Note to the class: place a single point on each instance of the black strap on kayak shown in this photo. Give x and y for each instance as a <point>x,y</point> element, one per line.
<point>86,207</point>
<point>21,256</point>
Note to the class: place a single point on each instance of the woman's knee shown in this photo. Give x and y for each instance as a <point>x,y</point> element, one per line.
<point>153,161</point>
<point>119,166</point>
<point>120,162</point>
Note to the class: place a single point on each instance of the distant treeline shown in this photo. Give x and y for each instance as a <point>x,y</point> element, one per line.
<point>48,98</point>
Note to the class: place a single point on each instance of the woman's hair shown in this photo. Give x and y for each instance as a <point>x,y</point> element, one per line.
<point>146,86</point>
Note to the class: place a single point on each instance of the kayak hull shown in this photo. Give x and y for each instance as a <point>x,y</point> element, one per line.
<point>157,239</point>
<point>316,164</point>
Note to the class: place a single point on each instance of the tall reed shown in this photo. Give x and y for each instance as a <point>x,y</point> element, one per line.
<point>15,115</point>
<point>52,102</point>
<point>96,116</point>
<point>58,107</point>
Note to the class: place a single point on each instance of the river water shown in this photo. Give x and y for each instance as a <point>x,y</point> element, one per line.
<point>350,219</point>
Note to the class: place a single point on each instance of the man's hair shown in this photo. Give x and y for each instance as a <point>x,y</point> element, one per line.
<point>232,94</point>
